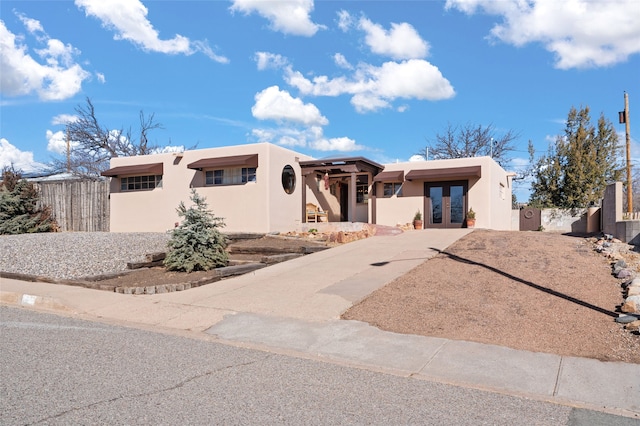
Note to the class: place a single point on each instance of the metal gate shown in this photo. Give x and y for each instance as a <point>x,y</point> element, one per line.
<point>530,219</point>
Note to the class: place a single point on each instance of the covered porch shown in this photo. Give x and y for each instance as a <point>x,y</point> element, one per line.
<point>339,188</point>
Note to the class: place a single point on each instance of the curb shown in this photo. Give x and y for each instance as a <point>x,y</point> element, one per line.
<point>32,301</point>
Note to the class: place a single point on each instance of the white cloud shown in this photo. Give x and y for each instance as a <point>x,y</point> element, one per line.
<point>416,157</point>
<point>266,60</point>
<point>402,41</point>
<point>301,123</point>
<point>345,21</point>
<point>336,144</point>
<point>311,137</point>
<point>128,19</point>
<point>64,119</point>
<point>288,17</point>
<point>264,135</point>
<point>519,163</point>
<point>32,25</point>
<point>57,142</point>
<point>581,33</point>
<point>341,61</point>
<point>203,47</point>
<point>373,88</point>
<point>21,160</point>
<point>275,104</point>
<point>57,78</point>
<point>101,78</point>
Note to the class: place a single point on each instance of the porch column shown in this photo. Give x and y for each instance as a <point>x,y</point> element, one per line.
<point>304,198</point>
<point>372,200</point>
<point>352,198</point>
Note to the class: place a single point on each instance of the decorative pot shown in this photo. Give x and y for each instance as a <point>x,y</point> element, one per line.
<point>471,223</point>
<point>417,224</point>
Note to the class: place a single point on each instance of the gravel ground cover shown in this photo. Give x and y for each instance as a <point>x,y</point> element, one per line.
<point>72,255</point>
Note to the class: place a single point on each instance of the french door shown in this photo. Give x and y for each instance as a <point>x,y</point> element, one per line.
<point>445,204</point>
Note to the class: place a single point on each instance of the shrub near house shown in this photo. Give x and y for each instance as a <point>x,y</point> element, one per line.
<point>197,244</point>
<point>19,211</point>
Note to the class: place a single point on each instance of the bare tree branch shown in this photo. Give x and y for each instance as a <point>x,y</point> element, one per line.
<point>470,141</point>
<point>92,145</point>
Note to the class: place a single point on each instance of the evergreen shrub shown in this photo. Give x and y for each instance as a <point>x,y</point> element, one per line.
<point>197,244</point>
<point>19,210</point>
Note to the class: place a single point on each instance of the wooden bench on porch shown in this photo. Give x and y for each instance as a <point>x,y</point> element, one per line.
<point>314,214</point>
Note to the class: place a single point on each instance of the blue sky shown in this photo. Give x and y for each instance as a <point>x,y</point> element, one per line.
<point>326,78</point>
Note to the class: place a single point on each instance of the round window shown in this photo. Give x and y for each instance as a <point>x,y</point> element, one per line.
<point>288,179</point>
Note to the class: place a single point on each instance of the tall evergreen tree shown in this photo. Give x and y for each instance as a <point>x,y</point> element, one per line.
<point>577,168</point>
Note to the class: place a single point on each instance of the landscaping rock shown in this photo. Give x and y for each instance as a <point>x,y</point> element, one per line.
<point>620,264</point>
<point>626,319</point>
<point>633,326</point>
<point>624,274</point>
<point>631,305</point>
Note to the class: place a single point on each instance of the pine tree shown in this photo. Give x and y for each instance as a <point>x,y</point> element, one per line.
<point>197,244</point>
<point>576,170</point>
<point>19,210</point>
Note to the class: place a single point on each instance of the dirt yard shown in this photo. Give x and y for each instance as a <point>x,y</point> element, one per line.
<point>533,291</point>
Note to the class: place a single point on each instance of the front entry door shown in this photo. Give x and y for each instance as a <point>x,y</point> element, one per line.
<point>344,202</point>
<point>445,204</point>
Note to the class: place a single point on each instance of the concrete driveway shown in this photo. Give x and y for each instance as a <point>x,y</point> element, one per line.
<point>320,286</point>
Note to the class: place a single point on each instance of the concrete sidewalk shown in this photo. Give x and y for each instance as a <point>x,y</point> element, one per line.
<point>294,307</point>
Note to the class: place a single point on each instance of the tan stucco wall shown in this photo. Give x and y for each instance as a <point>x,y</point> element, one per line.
<point>260,206</point>
<point>284,210</point>
<point>484,196</point>
<point>501,197</point>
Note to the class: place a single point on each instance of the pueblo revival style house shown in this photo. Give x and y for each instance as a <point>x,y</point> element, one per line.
<point>266,188</point>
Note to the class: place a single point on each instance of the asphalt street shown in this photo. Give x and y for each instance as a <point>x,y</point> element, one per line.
<point>59,370</point>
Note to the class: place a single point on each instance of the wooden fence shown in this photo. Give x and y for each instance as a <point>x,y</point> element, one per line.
<point>79,205</point>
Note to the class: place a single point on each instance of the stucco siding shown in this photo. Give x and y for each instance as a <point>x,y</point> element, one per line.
<point>258,206</point>
<point>264,206</point>
<point>284,210</point>
<point>394,210</point>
